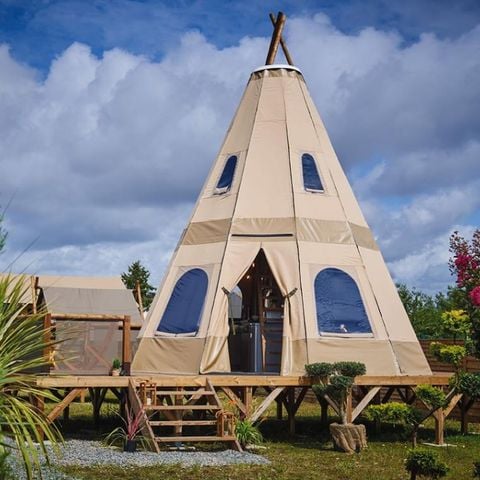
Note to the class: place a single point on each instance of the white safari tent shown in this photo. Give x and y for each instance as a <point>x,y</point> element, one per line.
<point>277,266</point>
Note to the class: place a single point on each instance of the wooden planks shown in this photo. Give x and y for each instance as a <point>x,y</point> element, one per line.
<point>232,381</point>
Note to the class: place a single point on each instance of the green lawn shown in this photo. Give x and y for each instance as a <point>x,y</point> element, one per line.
<point>307,455</point>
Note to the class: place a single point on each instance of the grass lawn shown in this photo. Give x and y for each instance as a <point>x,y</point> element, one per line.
<point>307,455</point>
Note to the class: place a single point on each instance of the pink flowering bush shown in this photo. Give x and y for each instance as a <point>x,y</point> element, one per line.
<point>475,296</point>
<point>465,266</point>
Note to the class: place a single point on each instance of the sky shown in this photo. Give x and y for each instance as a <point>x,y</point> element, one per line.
<point>111,113</point>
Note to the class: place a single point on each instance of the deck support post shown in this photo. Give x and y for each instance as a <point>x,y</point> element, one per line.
<point>291,410</point>
<point>248,400</point>
<point>126,346</point>
<point>279,408</point>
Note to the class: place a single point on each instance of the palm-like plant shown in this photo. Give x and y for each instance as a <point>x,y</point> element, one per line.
<point>23,341</point>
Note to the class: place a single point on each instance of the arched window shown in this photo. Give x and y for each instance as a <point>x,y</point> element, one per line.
<point>184,309</point>
<point>311,178</point>
<point>226,178</point>
<point>339,305</point>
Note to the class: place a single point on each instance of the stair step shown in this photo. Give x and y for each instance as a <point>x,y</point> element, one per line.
<point>174,423</point>
<point>200,438</point>
<point>182,407</point>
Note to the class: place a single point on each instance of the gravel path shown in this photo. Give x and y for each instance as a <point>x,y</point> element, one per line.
<point>90,453</point>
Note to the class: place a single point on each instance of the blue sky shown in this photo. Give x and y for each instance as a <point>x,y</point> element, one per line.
<point>103,103</point>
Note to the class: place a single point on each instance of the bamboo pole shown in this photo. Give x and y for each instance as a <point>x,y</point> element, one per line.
<point>274,42</point>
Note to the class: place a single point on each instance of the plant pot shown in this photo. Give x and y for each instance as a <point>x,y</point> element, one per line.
<point>115,372</point>
<point>349,438</point>
<point>130,446</point>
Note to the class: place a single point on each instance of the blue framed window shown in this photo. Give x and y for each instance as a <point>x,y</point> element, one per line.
<point>339,305</point>
<point>311,178</point>
<point>226,179</point>
<point>184,309</point>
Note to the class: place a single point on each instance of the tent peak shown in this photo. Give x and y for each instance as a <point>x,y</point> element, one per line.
<point>277,66</point>
<point>278,23</point>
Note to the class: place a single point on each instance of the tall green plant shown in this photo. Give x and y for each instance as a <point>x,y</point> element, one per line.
<point>22,344</point>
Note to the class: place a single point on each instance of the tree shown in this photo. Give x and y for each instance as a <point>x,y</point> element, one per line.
<point>138,274</point>
<point>465,266</point>
<point>422,310</point>
<point>335,382</point>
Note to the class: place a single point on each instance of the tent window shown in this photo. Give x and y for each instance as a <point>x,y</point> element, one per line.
<point>339,305</point>
<point>311,178</point>
<point>184,309</point>
<point>226,178</point>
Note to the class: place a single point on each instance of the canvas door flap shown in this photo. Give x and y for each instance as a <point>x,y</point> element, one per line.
<point>238,258</point>
<point>283,261</point>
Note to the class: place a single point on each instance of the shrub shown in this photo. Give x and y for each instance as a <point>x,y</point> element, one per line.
<point>350,369</point>
<point>247,433</point>
<point>22,344</point>
<point>452,354</point>
<point>423,462</point>
<point>468,384</point>
<point>321,369</point>
<point>432,396</point>
<point>392,412</point>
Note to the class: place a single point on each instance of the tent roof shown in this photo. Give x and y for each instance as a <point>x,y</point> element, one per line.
<point>92,301</point>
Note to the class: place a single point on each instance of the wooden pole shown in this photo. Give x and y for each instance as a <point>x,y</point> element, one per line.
<point>126,347</point>
<point>139,297</point>
<point>277,33</point>
<point>282,42</point>
<point>291,410</point>
<point>47,338</point>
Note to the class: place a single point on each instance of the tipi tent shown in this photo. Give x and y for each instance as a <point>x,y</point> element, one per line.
<point>277,220</point>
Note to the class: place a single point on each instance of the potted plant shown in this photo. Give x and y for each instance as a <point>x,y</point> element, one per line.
<point>129,434</point>
<point>116,367</point>
<point>335,381</point>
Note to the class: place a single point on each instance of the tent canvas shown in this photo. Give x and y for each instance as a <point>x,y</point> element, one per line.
<point>277,191</point>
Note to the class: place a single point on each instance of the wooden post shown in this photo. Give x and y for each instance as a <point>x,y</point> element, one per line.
<point>291,410</point>
<point>139,297</point>
<point>277,33</point>
<point>248,400</point>
<point>47,338</point>
<point>439,426</point>
<point>126,347</point>
<point>282,42</point>
<point>33,286</point>
<point>279,409</point>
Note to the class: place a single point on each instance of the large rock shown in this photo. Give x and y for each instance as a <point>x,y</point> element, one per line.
<point>350,438</point>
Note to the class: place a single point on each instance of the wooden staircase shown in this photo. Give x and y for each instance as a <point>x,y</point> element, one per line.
<point>177,415</point>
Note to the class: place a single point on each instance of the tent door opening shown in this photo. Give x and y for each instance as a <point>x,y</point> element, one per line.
<point>256,321</point>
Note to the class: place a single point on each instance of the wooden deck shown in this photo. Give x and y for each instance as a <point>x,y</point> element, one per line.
<point>222,380</point>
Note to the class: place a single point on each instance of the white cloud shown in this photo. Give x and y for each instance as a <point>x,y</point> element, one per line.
<point>105,156</point>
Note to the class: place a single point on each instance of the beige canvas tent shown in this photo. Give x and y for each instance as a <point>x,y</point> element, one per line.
<point>86,347</point>
<point>277,223</point>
